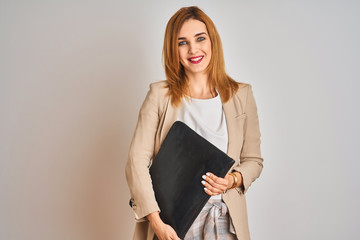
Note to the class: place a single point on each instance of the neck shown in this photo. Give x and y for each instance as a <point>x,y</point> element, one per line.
<point>199,86</point>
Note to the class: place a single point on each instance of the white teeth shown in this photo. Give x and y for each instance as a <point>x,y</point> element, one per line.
<point>195,59</point>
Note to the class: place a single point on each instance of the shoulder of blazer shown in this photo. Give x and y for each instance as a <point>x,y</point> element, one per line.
<point>243,88</point>
<point>159,86</point>
<point>158,93</point>
<point>241,94</point>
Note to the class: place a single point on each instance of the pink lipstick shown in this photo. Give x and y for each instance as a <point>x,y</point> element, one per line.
<point>196,59</point>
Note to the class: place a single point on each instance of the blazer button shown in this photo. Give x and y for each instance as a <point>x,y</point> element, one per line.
<point>131,202</point>
<point>134,206</point>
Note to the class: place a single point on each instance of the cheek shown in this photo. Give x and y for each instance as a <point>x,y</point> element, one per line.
<point>181,55</point>
<point>209,49</point>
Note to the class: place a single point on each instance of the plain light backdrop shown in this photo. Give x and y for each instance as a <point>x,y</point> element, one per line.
<point>73,75</point>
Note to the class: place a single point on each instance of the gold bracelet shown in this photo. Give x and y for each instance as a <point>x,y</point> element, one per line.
<point>235,180</point>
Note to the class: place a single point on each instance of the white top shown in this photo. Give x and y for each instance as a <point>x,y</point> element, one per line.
<point>207,118</point>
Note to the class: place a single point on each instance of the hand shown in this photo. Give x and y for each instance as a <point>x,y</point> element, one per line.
<point>164,231</point>
<point>215,185</point>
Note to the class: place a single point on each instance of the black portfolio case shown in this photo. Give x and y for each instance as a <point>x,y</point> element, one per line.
<point>176,174</point>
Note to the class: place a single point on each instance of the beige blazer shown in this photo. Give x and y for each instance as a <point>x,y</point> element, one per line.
<point>156,116</point>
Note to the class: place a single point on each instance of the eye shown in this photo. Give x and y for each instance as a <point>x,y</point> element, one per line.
<point>182,43</point>
<point>201,38</point>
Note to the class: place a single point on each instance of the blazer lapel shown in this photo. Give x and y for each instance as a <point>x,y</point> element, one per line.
<point>234,132</point>
<point>170,116</point>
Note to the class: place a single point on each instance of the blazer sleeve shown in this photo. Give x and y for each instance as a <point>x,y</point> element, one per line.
<point>251,161</point>
<point>140,155</point>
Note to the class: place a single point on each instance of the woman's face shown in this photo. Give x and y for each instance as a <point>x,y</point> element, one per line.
<point>194,46</point>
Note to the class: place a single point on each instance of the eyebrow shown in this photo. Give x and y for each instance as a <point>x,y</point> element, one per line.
<point>181,38</point>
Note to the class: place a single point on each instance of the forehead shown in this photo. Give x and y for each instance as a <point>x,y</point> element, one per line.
<point>191,27</point>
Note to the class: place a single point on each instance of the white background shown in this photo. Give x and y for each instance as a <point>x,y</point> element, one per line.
<point>73,75</point>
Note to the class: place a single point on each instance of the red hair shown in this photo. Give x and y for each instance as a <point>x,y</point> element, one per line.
<point>174,71</point>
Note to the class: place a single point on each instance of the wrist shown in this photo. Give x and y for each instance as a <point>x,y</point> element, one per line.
<point>157,225</point>
<point>234,181</point>
<point>231,181</point>
<point>154,218</point>
<point>239,177</point>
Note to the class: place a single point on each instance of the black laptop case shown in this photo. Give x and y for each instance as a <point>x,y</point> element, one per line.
<point>176,174</point>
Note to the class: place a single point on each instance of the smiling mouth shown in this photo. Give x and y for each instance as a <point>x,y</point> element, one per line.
<point>196,59</point>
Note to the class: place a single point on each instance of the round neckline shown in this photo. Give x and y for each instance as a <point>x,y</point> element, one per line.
<point>205,99</point>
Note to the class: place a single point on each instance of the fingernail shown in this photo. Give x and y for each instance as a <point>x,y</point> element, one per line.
<point>203,182</point>
<point>208,174</point>
<point>205,188</point>
<point>204,177</point>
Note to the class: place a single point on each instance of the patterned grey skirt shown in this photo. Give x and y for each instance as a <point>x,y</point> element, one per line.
<point>213,223</point>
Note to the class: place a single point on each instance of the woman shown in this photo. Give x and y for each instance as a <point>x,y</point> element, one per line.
<point>200,93</point>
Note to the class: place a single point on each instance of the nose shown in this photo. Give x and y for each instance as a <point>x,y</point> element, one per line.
<point>192,48</point>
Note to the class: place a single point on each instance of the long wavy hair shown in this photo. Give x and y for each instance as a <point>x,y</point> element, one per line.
<point>174,70</point>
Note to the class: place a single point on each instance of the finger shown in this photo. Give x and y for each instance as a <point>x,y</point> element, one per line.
<point>218,184</point>
<point>215,181</point>
<point>173,234</point>
<point>208,192</point>
<point>215,189</point>
<point>212,192</point>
